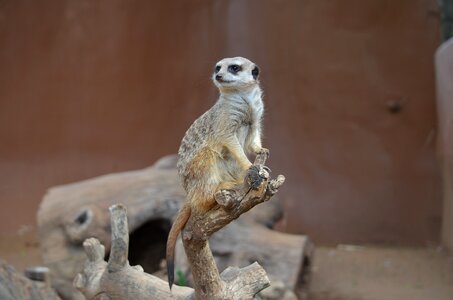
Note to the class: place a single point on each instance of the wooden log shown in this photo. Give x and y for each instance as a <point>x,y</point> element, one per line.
<point>71,213</point>
<point>117,280</point>
<point>285,257</point>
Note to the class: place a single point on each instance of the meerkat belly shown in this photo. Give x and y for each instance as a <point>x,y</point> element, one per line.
<point>229,168</point>
<point>242,135</point>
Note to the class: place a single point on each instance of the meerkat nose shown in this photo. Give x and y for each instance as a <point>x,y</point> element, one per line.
<point>218,77</point>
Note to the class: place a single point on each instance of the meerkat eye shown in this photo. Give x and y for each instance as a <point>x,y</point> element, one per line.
<point>217,69</point>
<point>234,68</point>
<point>255,72</point>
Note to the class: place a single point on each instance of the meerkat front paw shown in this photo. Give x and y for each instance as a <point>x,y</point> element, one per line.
<point>267,169</point>
<point>263,151</point>
<point>256,175</point>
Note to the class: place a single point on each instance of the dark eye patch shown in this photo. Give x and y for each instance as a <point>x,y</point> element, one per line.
<point>217,69</point>
<point>234,69</point>
<point>255,72</point>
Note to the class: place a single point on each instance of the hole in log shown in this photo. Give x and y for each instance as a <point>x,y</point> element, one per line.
<point>147,244</point>
<point>82,217</point>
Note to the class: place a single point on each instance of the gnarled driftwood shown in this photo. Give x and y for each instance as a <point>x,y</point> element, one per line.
<point>117,280</point>
<point>71,213</point>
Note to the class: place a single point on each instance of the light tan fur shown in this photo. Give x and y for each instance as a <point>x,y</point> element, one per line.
<point>213,152</point>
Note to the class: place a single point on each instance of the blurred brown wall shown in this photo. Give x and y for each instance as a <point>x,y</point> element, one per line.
<point>92,87</point>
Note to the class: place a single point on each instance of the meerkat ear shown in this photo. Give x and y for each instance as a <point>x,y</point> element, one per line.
<point>255,72</point>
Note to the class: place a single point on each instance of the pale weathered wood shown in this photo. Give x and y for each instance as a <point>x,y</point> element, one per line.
<point>117,280</point>
<point>71,213</point>
<point>283,256</point>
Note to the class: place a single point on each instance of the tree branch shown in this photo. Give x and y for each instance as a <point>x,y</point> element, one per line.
<point>208,284</point>
<point>120,239</point>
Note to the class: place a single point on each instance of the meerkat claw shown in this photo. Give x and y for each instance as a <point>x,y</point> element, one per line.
<point>264,151</point>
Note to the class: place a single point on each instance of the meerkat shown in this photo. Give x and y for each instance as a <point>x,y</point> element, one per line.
<point>213,152</point>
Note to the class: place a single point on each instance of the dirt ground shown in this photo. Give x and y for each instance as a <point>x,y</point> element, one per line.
<point>338,273</point>
<point>381,273</point>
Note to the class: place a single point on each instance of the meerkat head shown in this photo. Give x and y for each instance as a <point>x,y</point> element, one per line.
<point>235,74</point>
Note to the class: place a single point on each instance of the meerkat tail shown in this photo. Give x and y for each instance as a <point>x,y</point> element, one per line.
<point>176,228</point>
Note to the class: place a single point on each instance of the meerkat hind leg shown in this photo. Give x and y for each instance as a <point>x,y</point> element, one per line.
<point>226,194</point>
